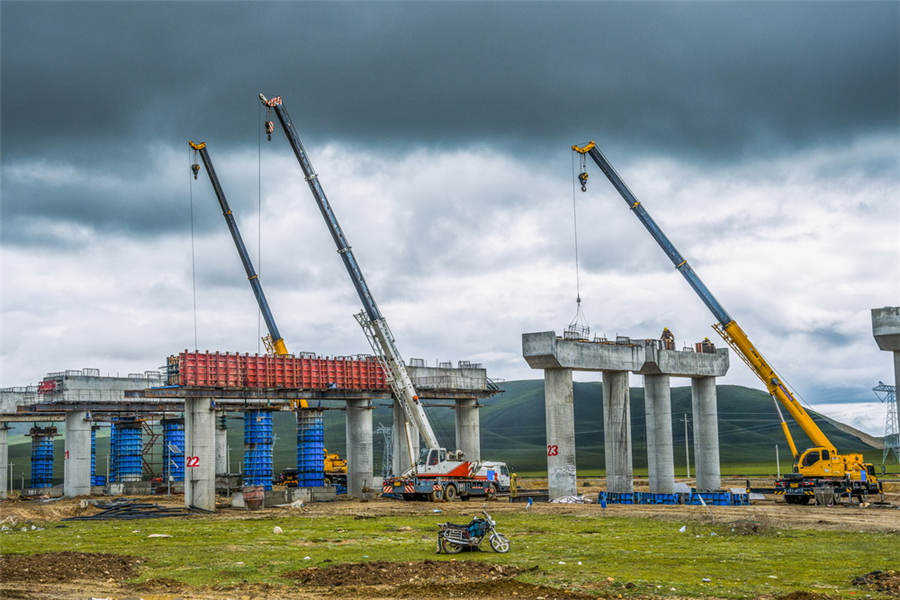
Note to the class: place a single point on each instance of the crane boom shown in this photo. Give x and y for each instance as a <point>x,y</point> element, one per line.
<point>372,322</point>
<point>277,341</point>
<point>726,326</point>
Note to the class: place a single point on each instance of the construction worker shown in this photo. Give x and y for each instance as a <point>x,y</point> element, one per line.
<point>514,485</point>
<point>668,339</point>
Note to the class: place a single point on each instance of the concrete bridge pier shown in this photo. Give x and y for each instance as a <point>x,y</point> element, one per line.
<point>468,432</point>
<point>617,432</point>
<point>77,463</point>
<point>886,330</point>
<point>4,460</point>
<point>658,410</point>
<point>399,453</point>
<point>359,448</point>
<point>706,433</point>
<point>199,450</point>
<point>559,409</point>
<point>221,444</point>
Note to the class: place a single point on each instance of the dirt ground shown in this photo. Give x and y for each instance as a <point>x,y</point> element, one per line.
<point>774,513</point>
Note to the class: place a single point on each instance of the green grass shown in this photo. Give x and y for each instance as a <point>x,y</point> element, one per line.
<point>652,554</point>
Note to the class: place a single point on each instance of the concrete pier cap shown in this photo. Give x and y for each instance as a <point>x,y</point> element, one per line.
<point>544,350</point>
<point>886,328</point>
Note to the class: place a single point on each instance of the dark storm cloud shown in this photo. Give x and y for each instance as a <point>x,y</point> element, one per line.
<point>700,78</point>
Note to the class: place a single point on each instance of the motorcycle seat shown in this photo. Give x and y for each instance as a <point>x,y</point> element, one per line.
<point>455,526</point>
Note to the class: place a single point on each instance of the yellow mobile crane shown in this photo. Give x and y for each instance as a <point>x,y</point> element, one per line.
<point>820,466</point>
<point>335,467</point>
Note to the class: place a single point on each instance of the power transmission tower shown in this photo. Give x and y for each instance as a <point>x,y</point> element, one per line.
<point>387,457</point>
<point>888,395</point>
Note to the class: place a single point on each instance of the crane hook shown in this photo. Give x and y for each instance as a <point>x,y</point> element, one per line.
<point>270,128</point>
<point>196,169</point>
<point>582,179</point>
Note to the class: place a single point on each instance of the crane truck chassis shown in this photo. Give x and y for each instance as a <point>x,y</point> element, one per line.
<point>466,480</point>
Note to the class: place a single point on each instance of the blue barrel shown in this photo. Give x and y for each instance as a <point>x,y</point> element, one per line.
<point>42,456</point>
<point>129,450</point>
<point>173,449</point>
<point>258,448</point>
<point>310,448</point>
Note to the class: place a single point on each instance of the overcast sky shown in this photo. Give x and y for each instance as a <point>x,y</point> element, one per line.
<point>764,138</point>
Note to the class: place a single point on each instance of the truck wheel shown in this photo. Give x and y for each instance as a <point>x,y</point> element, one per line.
<point>803,500</point>
<point>451,493</point>
<point>436,495</point>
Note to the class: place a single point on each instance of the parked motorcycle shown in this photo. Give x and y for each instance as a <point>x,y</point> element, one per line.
<point>453,538</point>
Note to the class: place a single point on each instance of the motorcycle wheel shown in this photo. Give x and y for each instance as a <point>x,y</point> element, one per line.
<point>499,543</point>
<point>450,547</point>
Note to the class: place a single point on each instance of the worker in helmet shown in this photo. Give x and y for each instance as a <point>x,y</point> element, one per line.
<point>668,339</point>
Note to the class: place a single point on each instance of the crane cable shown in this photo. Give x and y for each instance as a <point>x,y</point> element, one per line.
<point>193,252</point>
<point>258,219</point>
<point>578,328</point>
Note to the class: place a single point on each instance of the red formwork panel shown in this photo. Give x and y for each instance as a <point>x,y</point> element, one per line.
<point>227,370</point>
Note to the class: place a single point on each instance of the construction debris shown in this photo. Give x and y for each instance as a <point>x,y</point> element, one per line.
<point>127,509</point>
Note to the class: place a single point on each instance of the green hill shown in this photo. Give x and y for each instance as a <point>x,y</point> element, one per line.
<point>512,430</point>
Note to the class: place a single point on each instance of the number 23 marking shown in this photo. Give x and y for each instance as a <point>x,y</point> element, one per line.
<point>552,450</point>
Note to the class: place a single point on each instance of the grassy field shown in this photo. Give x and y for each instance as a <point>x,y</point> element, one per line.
<point>642,556</point>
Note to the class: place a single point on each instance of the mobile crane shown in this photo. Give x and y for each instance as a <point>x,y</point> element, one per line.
<point>441,474</point>
<point>819,467</point>
<point>335,467</point>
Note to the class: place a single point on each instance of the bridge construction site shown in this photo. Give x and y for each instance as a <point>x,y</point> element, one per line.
<point>188,403</point>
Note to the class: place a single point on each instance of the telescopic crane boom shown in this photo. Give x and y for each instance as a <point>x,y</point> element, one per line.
<point>370,319</point>
<point>278,346</point>
<point>820,461</point>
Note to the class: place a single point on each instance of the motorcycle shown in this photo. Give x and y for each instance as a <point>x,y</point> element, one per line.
<point>452,538</point>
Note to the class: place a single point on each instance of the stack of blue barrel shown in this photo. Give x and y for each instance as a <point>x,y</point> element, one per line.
<point>310,448</point>
<point>42,456</point>
<point>173,449</point>
<point>95,479</point>
<point>258,448</point>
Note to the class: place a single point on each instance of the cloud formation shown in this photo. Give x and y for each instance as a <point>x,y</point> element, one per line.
<point>762,137</point>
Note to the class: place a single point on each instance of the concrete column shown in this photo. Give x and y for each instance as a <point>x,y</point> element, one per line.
<point>199,449</point>
<point>658,406</point>
<point>77,473</point>
<point>706,433</point>
<point>468,430</point>
<point>559,408</point>
<point>4,460</point>
<point>359,448</point>
<point>221,444</point>
<point>617,432</point>
<point>399,453</point>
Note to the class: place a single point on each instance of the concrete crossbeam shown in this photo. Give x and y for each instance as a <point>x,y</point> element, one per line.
<point>468,431</point>
<point>617,432</point>
<point>359,448</point>
<point>706,433</point>
<point>199,450</point>
<point>559,409</point>
<point>77,462</point>
<point>544,350</point>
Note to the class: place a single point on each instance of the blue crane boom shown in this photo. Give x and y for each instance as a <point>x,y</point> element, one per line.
<point>278,345</point>
<point>371,320</point>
